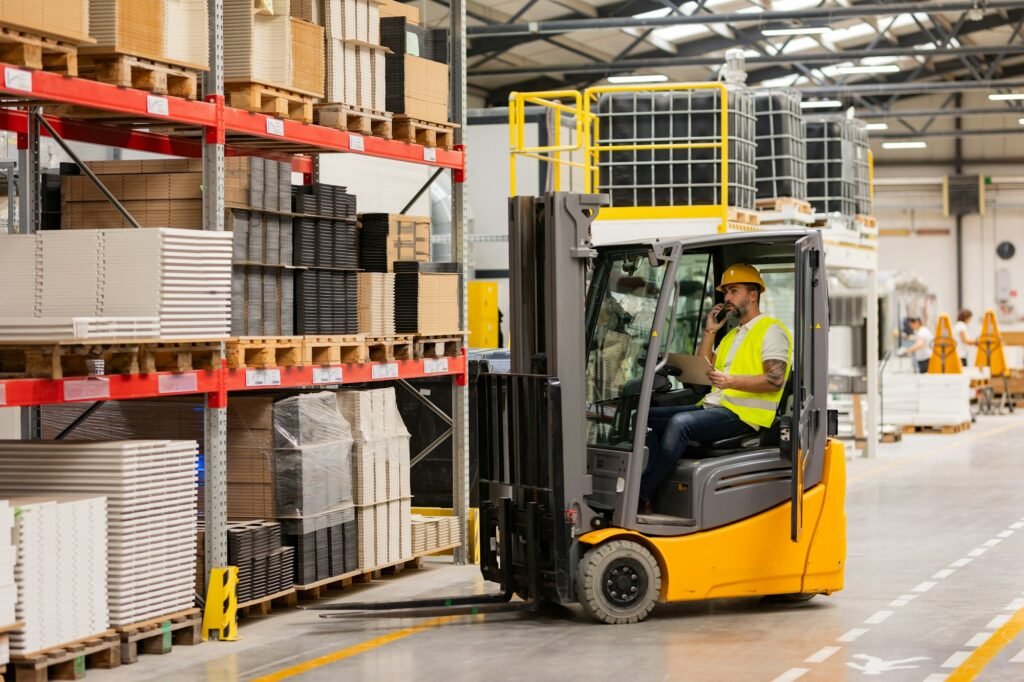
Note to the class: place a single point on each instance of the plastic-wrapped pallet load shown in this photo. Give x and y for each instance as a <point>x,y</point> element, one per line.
<point>781,151</point>
<point>61,570</point>
<point>150,487</point>
<point>676,177</point>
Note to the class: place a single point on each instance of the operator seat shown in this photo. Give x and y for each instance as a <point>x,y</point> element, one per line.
<point>755,439</point>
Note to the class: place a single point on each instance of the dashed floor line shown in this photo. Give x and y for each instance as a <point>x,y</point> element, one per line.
<point>998,622</point>
<point>925,586</point>
<point>878,618</point>
<point>792,674</point>
<point>944,573</point>
<point>853,635</point>
<point>956,659</point>
<point>822,654</point>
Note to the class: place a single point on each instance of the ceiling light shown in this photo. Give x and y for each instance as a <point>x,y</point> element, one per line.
<point>640,78</point>
<point>797,31</point>
<point>874,68</point>
<point>820,104</point>
<point>909,144</point>
<point>1020,121</point>
<point>876,126</point>
<point>1005,96</point>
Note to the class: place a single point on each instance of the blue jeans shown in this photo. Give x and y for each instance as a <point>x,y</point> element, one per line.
<point>672,428</point>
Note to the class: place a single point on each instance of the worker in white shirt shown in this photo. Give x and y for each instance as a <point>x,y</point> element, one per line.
<point>960,334</point>
<point>921,349</point>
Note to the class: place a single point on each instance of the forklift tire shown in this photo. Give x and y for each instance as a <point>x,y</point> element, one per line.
<point>618,582</point>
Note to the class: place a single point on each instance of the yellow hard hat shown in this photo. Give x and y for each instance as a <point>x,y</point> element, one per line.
<point>741,273</point>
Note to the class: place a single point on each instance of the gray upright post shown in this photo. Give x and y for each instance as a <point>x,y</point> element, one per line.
<point>874,432</point>
<point>460,402</point>
<point>216,462</point>
<point>28,223</point>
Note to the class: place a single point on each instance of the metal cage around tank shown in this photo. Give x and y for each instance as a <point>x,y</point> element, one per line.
<point>781,146</point>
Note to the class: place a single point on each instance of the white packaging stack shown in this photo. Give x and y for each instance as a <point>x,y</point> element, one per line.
<point>899,398</point>
<point>944,400</point>
<point>186,32</point>
<point>376,303</point>
<point>116,284</point>
<point>381,473</point>
<point>430,533</point>
<point>8,590</point>
<point>61,570</point>
<point>19,260</point>
<point>150,488</point>
<point>257,42</point>
<point>355,58</point>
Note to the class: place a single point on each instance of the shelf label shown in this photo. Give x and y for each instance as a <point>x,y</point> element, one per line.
<point>157,105</point>
<point>327,375</point>
<point>385,371</point>
<point>275,126</point>
<point>178,383</point>
<point>429,154</point>
<point>93,388</point>
<point>3,394</point>
<point>356,143</point>
<point>262,377</point>
<point>435,366</point>
<point>16,79</point>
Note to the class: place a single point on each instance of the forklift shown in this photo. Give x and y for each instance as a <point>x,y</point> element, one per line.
<point>562,437</point>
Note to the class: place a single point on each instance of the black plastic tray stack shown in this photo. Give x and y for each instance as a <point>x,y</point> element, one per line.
<point>265,567</point>
<point>676,177</point>
<point>373,241</point>
<point>407,291</point>
<point>325,545</point>
<point>326,249</point>
<point>832,152</point>
<point>781,152</point>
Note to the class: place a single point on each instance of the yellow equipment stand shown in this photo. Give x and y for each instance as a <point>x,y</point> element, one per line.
<point>990,346</point>
<point>944,358</point>
<point>221,614</point>
<point>483,314</point>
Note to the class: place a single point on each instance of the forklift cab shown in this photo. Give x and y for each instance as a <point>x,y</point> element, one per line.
<point>648,301</point>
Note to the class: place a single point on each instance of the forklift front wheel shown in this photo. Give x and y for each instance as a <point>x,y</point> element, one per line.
<point>618,582</point>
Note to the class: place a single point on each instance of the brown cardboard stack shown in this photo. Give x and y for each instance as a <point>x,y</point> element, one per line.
<point>265,44</point>
<point>417,70</point>
<point>66,20</point>
<point>376,303</point>
<point>170,31</point>
<point>355,59</point>
<point>391,8</point>
<point>307,10</point>
<point>408,239</point>
<point>426,89</point>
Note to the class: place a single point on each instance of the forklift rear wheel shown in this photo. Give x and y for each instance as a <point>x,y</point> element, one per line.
<point>618,582</point>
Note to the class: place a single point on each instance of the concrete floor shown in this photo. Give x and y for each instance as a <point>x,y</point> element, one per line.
<point>936,548</point>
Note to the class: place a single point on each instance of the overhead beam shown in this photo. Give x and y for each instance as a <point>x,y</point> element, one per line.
<point>939,113</point>
<point>909,88</point>
<point>558,26</point>
<point>981,132</point>
<point>629,65</point>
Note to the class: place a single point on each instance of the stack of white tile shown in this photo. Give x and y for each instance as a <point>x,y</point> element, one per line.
<point>257,42</point>
<point>377,303</point>
<point>117,284</point>
<point>926,399</point>
<point>430,533</point>
<point>186,33</point>
<point>899,398</point>
<point>150,488</point>
<point>381,476</point>
<point>8,590</point>
<point>61,570</point>
<point>355,58</point>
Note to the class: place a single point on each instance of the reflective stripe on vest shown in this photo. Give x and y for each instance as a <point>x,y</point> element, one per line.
<point>757,409</point>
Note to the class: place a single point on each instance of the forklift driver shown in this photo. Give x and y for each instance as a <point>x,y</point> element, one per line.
<point>747,372</point>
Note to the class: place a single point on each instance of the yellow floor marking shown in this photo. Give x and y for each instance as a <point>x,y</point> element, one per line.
<point>983,655</point>
<point>925,454</point>
<point>354,650</point>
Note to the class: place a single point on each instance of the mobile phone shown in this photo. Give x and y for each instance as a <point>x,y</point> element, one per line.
<point>722,314</point>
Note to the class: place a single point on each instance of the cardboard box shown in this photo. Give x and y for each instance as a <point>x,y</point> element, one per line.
<point>408,239</point>
<point>134,27</point>
<point>66,20</point>
<point>185,214</point>
<point>418,88</point>
<point>391,8</point>
<point>307,57</point>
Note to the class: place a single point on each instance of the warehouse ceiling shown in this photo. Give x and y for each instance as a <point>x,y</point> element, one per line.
<point>938,59</point>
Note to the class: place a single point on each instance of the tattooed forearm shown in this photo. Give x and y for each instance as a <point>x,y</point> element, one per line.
<point>775,372</point>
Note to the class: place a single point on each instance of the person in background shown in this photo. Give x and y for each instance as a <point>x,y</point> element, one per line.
<point>921,349</point>
<point>960,334</point>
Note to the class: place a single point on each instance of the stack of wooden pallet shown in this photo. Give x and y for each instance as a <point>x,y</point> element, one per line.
<point>44,35</point>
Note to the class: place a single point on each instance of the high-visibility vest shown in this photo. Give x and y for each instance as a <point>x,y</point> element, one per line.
<point>758,409</point>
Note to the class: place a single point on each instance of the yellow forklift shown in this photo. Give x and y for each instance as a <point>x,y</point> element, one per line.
<point>563,435</point>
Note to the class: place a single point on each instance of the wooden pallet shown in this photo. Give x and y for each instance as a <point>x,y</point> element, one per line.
<point>68,661</point>
<point>286,599</point>
<point>179,356</point>
<point>266,99</point>
<point>867,221</point>
<point>744,216</point>
<point>332,350</point>
<point>264,351</point>
<point>129,71</point>
<point>354,119</point>
<point>781,204</point>
<point>389,348</point>
<point>945,428</point>
<point>438,346</point>
<point>64,359</point>
<point>159,635</point>
<point>35,51</point>
<point>427,134</point>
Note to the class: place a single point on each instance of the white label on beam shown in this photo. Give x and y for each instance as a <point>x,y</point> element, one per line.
<point>435,366</point>
<point>157,105</point>
<point>178,383</point>
<point>16,79</point>
<point>356,143</point>
<point>387,370</point>
<point>429,154</point>
<point>275,126</point>
<point>262,377</point>
<point>327,375</point>
<point>92,388</point>
<point>3,394</point>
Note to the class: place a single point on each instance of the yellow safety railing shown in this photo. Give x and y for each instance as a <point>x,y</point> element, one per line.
<point>587,125</point>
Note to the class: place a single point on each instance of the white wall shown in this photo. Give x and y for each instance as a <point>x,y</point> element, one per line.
<point>380,185</point>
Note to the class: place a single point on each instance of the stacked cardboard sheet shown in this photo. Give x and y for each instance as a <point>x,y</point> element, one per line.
<point>426,297</point>
<point>61,569</point>
<point>431,532</point>
<point>171,31</point>
<point>387,238</point>
<point>355,59</point>
<point>416,71</point>
<point>264,44</point>
<point>66,20</point>
<point>150,487</point>
<point>376,303</point>
<point>926,399</point>
<point>8,590</point>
